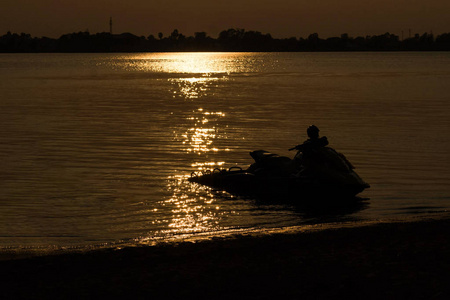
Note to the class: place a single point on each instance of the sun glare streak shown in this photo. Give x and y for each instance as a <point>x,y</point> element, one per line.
<point>204,64</point>
<point>205,129</point>
<point>191,214</point>
<point>194,209</point>
<point>193,88</point>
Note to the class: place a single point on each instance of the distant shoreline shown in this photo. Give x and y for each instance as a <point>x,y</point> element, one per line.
<point>406,260</point>
<point>231,40</point>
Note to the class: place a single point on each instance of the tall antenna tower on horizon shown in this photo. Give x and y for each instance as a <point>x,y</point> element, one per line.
<point>110,25</point>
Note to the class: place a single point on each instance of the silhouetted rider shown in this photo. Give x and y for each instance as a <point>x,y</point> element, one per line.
<point>313,142</point>
<point>307,154</point>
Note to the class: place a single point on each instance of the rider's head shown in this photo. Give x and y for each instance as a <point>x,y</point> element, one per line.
<point>313,132</point>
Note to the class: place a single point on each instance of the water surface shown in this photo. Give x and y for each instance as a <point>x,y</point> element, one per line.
<point>96,147</point>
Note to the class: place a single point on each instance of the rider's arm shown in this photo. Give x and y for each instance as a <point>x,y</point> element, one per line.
<point>298,147</point>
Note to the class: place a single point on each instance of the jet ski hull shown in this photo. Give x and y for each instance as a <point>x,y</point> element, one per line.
<point>329,176</point>
<point>277,188</point>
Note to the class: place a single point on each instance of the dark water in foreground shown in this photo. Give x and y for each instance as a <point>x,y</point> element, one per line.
<point>95,148</point>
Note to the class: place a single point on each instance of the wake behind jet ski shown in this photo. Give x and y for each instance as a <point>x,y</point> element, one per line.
<point>316,171</point>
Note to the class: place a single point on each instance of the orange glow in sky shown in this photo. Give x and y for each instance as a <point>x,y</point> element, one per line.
<point>281,18</point>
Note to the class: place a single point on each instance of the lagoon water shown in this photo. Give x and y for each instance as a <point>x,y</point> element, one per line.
<point>96,148</point>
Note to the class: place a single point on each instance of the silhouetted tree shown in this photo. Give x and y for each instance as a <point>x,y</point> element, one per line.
<point>200,36</point>
<point>313,42</point>
<point>174,35</point>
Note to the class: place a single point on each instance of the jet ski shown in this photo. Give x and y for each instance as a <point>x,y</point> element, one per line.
<point>322,174</point>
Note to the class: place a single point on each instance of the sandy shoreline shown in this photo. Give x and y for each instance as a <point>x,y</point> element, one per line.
<point>396,260</point>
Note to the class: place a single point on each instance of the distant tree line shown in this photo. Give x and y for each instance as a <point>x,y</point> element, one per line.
<point>228,40</point>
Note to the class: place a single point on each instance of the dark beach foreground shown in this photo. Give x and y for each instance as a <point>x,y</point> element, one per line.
<point>397,260</point>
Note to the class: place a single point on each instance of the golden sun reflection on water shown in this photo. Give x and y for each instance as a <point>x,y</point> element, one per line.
<point>199,63</point>
<point>194,208</point>
<point>200,137</point>
<point>192,88</point>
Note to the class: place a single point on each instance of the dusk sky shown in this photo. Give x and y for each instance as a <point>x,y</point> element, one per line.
<point>281,18</point>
